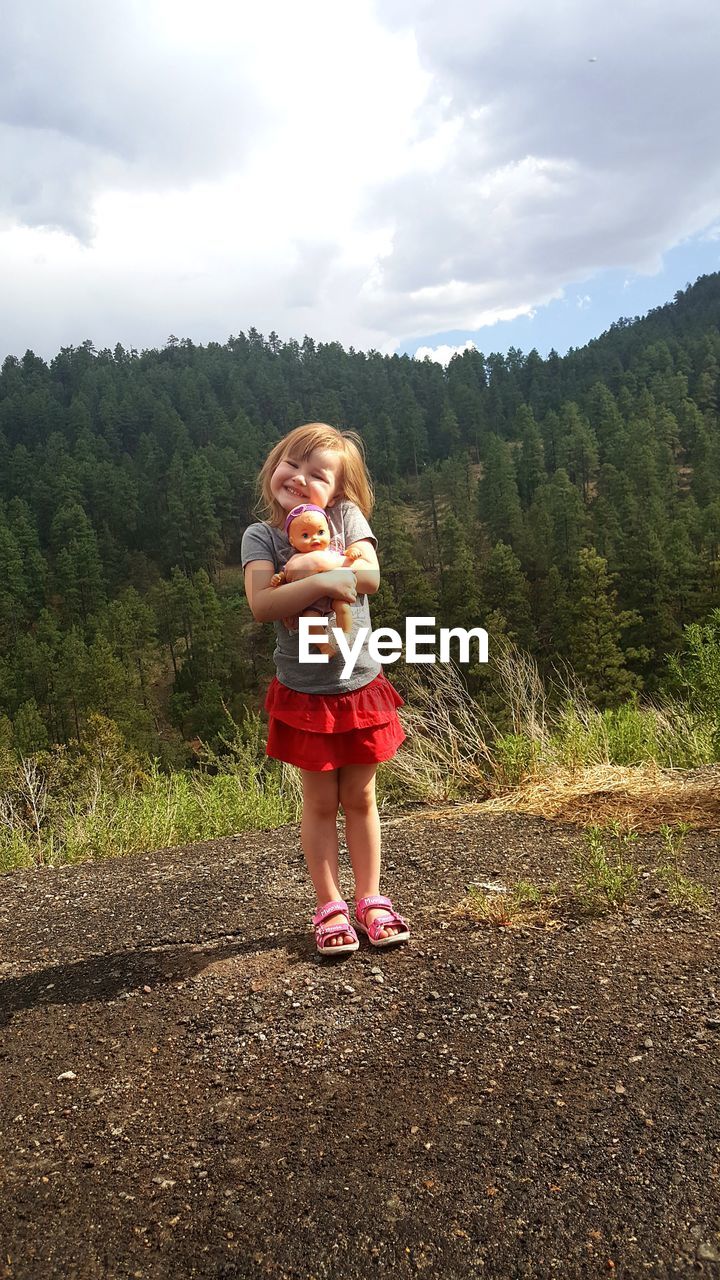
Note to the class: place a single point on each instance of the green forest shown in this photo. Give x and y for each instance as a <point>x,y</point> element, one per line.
<point>569,504</point>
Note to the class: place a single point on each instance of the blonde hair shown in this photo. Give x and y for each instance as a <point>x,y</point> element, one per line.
<point>354,481</point>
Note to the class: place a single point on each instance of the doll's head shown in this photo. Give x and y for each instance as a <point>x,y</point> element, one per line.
<point>307,528</point>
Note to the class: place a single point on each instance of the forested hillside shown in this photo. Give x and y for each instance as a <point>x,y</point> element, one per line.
<point>572,504</point>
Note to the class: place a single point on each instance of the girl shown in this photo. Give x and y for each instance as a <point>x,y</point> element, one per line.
<point>335,731</point>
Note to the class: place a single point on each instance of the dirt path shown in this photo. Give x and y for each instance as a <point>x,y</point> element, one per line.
<point>483,1102</point>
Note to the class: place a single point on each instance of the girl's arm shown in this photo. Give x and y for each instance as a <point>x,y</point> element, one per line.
<point>270,604</point>
<point>361,555</point>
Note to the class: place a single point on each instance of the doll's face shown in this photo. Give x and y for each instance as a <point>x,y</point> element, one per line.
<point>309,532</point>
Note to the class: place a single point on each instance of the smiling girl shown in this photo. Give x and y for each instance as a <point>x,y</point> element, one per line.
<point>335,731</point>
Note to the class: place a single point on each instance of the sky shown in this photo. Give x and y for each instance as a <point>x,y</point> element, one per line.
<point>386,174</point>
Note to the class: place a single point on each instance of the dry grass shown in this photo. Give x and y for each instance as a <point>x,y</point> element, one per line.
<point>435,813</point>
<point>511,910</point>
<point>643,797</point>
<point>557,763</point>
<point>446,753</point>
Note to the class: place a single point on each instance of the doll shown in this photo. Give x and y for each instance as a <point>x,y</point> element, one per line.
<point>309,533</point>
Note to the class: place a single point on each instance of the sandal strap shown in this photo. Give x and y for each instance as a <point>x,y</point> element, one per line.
<point>324,931</point>
<point>373,900</point>
<point>327,930</point>
<point>382,922</point>
<point>330,909</point>
<point>389,916</point>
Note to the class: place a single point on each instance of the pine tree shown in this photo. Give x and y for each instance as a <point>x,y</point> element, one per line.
<point>12,588</point>
<point>578,453</point>
<point>596,628</point>
<point>397,555</point>
<point>129,626</point>
<point>34,565</point>
<point>552,440</point>
<point>505,591</point>
<point>194,530</point>
<point>409,423</point>
<point>604,418</point>
<point>78,568</point>
<point>418,598</point>
<point>531,462</point>
<point>705,461</point>
<point>388,456</point>
<point>498,498</point>
<point>449,438</point>
<point>72,682</point>
<point>460,592</point>
<point>29,730</point>
<point>552,609</point>
<point>106,678</point>
<point>568,519</point>
<point>209,659</point>
<point>683,576</point>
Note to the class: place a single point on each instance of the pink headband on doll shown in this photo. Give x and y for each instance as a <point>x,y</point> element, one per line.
<point>298,511</point>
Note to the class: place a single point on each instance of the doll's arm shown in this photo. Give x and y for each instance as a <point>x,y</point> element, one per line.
<point>353,553</point>
<point>361,557</point>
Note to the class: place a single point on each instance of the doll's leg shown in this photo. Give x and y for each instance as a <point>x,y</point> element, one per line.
<point>328,646</point>
<point>362,832</point>
<point>343,616</point>
<point>318,833</point>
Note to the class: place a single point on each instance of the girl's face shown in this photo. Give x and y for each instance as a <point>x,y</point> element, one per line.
<point>313,479</point>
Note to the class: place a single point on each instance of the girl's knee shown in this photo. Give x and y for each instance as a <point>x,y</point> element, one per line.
<point>320,799</point>
<point>320,795</point>
<point>320,809</point>
<point>357,796</point>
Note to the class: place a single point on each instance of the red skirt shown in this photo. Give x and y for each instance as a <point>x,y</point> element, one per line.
<point>321,732</point>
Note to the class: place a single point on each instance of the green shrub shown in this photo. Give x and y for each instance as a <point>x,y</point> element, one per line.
<point>609,874</point>
<point>68,806</point>
<point>682,890</point>
<point>516,758</point>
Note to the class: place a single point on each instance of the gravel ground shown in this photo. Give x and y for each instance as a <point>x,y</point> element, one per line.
<point>189,1091</point>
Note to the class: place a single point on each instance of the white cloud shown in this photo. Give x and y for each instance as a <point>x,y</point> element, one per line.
<point>557,168</point>
<point>211,160</point>
<point>95,97</point>
<point>444,353</point>
<point>363,172</point>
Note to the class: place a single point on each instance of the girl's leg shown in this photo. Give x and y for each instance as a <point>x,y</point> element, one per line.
<point>318,833</point>
<point>362,831</point>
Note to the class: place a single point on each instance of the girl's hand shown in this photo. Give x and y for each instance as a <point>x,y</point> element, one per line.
<point>339,584</point>
<point>270,604</point>
<point>309,562</point>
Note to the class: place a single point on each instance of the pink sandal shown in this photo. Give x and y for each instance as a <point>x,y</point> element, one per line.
<point>390,916</point>
<point>325,931</point>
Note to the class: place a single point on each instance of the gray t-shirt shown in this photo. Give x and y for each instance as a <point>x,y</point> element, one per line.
<point>264,542</point>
